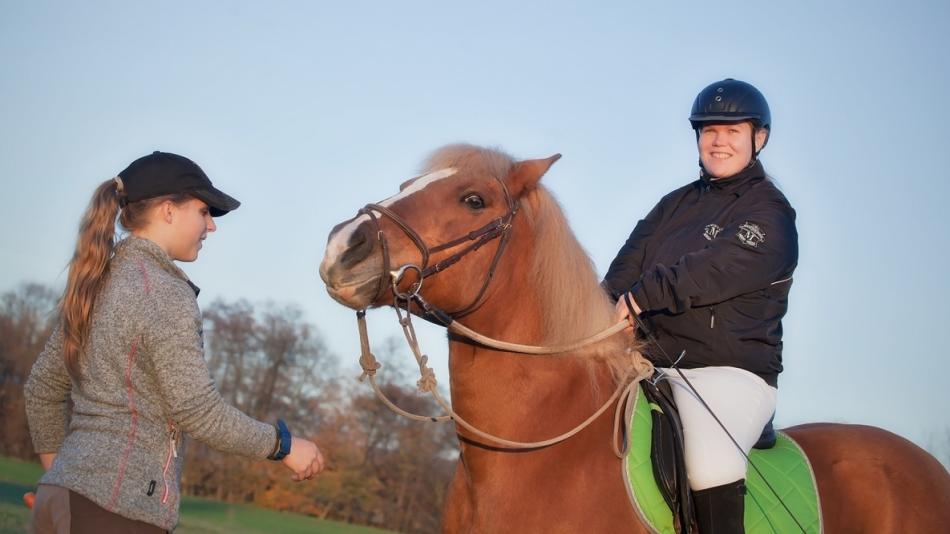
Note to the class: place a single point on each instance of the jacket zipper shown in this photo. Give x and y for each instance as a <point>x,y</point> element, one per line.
<point>712,318</point>
<point>172,453</point>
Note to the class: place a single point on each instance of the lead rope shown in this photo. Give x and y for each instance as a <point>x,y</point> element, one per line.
<point>428,384</point>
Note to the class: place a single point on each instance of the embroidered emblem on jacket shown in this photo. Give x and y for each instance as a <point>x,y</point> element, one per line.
<point>711,231</point>
<point>750,234</point>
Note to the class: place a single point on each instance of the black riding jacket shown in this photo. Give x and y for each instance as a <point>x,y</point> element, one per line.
<point>710,267</point>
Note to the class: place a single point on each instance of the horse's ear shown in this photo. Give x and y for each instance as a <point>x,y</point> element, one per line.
<point>524,175</point>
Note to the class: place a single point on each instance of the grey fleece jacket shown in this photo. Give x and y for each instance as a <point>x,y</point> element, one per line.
<point>145,382</point>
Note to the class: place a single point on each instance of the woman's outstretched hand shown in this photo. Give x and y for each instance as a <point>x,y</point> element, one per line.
<point>305,459</point>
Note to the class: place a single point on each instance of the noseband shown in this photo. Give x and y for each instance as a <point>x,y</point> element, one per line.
<point>497,228</point>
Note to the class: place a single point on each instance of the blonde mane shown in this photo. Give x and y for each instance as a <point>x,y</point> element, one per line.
<point>575,305</point>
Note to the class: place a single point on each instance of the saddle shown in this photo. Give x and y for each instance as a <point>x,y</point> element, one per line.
<point>655,471</point>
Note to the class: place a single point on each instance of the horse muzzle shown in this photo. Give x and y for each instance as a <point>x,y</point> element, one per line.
<point>352,264</point>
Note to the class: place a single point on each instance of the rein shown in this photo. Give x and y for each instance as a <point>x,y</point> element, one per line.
<point>428,383</point>
<point>497,228</point>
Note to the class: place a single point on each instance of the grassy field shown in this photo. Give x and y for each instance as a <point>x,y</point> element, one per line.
<point>197,515</point>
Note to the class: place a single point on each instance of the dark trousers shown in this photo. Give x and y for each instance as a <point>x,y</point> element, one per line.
<point>58,510</point>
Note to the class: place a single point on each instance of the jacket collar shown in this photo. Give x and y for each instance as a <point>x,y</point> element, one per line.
<point>736,184</point>
<point>140,247</point>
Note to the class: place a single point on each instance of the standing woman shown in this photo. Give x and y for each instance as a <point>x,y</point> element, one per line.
<point>709,269</point>
<point>128,352</point>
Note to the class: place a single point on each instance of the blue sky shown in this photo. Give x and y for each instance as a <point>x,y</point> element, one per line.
<point>305,111</point>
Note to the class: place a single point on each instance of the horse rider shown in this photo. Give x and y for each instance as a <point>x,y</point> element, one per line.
<point>709,271</point>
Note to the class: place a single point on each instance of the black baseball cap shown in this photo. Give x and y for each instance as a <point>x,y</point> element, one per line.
<point>164,173</point>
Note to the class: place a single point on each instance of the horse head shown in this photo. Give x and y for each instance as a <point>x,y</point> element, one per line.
<point>457,217</point>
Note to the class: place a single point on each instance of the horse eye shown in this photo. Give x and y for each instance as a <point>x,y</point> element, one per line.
<point>474,201</point>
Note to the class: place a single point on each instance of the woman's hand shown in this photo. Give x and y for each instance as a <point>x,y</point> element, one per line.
<point>305,459</point>
<point>621,312</point>
<point>46,459</point>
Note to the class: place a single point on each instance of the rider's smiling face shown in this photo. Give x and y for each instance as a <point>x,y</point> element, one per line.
<point>726,149</point>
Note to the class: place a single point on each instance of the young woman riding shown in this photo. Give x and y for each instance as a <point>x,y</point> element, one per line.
<point>709,270</point>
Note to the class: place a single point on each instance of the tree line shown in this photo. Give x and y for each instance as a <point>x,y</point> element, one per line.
<point>268,361</point>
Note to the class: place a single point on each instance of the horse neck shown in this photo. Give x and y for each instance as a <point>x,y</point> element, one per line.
<point>545,290</point>
<point>520,393</point>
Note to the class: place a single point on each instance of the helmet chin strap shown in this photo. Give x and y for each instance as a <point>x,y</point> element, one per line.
<point>755,153</point>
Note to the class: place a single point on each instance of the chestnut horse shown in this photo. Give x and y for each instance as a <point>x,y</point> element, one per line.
<point>529,281</point>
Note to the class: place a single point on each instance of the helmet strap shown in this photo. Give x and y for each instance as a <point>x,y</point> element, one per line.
<point>755,151</point>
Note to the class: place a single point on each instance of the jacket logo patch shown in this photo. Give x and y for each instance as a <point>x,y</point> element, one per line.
<point>750,234</point>
<point>711,231</point>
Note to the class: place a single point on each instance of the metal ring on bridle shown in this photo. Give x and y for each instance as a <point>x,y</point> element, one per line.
<point>396,277</point>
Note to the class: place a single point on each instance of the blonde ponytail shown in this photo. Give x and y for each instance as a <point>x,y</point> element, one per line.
<point>87,271</point>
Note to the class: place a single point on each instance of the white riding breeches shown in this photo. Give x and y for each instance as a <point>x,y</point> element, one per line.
<point>741,400</point>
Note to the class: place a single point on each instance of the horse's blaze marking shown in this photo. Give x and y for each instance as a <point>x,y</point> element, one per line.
<point>418,184</point>
<point>339,243</point>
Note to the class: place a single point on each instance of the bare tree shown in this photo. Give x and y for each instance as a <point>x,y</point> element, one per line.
<point>26,320</point>
<point>263,362</point>
<point>232,342</point>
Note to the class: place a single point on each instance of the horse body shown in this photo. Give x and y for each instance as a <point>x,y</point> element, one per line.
<point>871,480</point>
<point>543,290</point>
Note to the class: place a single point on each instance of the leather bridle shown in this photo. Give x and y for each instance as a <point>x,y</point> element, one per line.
<point>497,228</point>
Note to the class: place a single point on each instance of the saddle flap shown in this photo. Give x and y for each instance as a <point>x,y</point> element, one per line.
<point>669,466</point>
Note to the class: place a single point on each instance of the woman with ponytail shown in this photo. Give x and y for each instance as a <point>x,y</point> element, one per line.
<point>128,354</point>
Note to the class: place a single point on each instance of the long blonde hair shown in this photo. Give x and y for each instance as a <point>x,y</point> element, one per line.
<point>89,265</point>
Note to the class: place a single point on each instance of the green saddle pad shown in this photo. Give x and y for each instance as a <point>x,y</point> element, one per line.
<point>785,466</point>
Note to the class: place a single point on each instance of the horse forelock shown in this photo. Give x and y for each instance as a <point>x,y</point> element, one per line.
<point>470,160</point>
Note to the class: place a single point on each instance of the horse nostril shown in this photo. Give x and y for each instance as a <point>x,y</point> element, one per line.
<point>359,245</point>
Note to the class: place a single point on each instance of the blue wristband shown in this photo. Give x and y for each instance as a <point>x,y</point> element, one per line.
<point>283,440</point>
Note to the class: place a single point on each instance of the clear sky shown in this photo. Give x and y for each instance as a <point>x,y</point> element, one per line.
<point>305,111</point>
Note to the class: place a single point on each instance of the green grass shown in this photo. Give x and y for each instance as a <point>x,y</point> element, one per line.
<point>20,472</point>
<point>206,516</point>
<point>202,516</point>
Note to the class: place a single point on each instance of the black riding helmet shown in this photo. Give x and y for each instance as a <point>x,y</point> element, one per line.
<point>730,101</point>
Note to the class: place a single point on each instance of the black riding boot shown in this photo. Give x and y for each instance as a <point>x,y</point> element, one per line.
<point>719,510</point>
